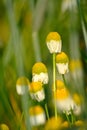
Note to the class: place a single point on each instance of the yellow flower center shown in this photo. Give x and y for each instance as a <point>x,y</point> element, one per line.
<point>38,68</point>
<point>75,64</point>
<point>35,86</point>
<point>77,98</point>
<point>22,81</point>
<point>60,84</point>
<point>61,94</point>
<point>36,110</point>
<point>53,36</point>
<point>53,123</point>
<point>62,58</point>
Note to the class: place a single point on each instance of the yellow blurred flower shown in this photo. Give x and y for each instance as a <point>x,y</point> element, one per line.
<point>4,127</point>
<point>53,123</point>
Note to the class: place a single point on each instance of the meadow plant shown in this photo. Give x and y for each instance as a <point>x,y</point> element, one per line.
<point>66,105</point>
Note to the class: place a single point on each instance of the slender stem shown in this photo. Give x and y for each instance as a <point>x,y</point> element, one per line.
<point>68,119</point>
<point>21,121</point>
<point>46,109</point>
<point>26,105</point>
<point>54,79</point>
<point>72,117</point>
<point>64,79</point>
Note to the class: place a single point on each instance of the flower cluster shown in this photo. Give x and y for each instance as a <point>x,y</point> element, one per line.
<point>64,102</point>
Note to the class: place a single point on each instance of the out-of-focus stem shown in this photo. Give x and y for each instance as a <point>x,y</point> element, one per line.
<point>47,113</point>
<point>36,46</point>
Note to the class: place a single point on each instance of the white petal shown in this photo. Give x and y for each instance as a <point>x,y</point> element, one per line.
<point>62,68</point>
<point>39,96</point>
<point>54,46</point>
<point>38,119</point>
<point>21,89</point>
<point>42,77</point>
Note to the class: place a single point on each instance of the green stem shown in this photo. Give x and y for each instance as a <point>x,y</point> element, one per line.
<point>54,79</point>
<point>72,117</point>
<point>19,128</point>
<point>64,79</point>
<point>25,107</point>
<point>68,119</point>
<point>46,109</point>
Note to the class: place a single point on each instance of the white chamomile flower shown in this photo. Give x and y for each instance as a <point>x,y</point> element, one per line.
<point>78,104</point>
<point>22,85</point>
<point>37,91</point>
<point>68,5</point>
<point>37,115</point>
<point>62,63</point>
<point>39,73</point>
<point>54,42</point>
<point>63,99</point>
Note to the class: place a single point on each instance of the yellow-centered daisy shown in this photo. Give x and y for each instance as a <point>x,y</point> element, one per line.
<point>37,115</point>
<point>62,63</point>
<point>39,73</point>
<point>54,43</point>
<point>22,85</point>
<point>37,91</point>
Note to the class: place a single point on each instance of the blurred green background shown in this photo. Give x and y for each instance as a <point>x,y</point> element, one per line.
<point>24,25</point>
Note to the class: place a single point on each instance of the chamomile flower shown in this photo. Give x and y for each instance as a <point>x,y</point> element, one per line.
<point>62,63</point>
<point>63,99</point>
<point>22,85</point>
<point>78,104</point>
<point>53,123</point>
<point>54,43</point>
<point>76,71</point>
<point>68,5</point>
<point>39,73</point>
<point>60,84</point>
<point>37,91</point>
<point>37,115</point>
<point>4,127</point>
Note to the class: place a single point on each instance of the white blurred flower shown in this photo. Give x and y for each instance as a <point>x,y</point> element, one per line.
<point>64,102</point>
<point>68,5</point>
<point>54,42</point>
<point>78,104</point>
<point>37,115</point>
<point>22,85</point>
<point>76,72</point>
<point>63,98</point>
